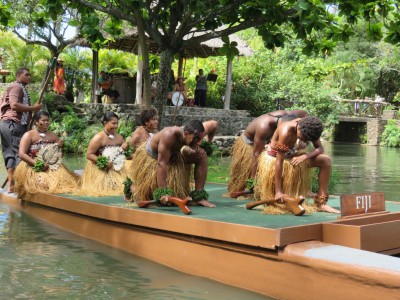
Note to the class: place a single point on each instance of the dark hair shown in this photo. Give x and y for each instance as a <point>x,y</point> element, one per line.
<point>39,114</point>
<point>195,127</point>
<point>311,128</point>
<point>147,114</point>
<point>21,70</point>
<point>108,116</point>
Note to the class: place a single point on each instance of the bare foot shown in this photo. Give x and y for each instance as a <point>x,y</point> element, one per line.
<point>205,203</point>
<point>327,208</point>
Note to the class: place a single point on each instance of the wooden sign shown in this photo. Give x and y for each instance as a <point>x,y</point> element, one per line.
<point>361,204</point>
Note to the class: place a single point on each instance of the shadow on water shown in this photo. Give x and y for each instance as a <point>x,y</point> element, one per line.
<point>39,261</point>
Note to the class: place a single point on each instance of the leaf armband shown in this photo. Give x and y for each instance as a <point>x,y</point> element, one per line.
<point>199,195</point>
<point>159,192</point>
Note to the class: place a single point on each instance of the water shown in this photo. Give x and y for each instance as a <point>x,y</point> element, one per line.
<point>366,169</point>
<point>39,261</point>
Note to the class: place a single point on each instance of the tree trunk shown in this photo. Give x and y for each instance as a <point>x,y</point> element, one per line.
<point>145,59</point>
<point>227,98</point>
<point>48,68</point>
<point>166,59</point>
<point>139,77</point>
<point>95,68</point>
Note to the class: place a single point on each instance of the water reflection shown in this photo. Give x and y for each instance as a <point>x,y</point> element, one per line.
<point>366,168</point>
<point>38,261</point>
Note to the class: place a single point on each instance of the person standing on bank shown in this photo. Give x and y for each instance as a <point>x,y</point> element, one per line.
<point>16,112</point>
<point>200,94</point>
<point>59,79</point>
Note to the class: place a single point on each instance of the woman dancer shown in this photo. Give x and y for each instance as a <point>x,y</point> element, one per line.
<point>41,168</point>
<point>105,173</point>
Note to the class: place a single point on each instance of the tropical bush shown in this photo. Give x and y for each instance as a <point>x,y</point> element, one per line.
<point>333,181</point>
<point>391,135</point>
<point>74,130</point>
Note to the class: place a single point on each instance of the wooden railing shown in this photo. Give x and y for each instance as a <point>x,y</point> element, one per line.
<point>362,107</point>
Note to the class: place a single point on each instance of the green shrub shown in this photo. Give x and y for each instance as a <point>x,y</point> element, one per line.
<point>333,181</point>
<point>125,128</point>
<point>391,135</point>
<point>73,130</point>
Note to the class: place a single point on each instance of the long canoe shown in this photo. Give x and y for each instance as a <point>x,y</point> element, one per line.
<point>316,256</point>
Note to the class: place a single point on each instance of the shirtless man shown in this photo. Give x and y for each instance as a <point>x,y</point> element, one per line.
<point>257,134</point>
<point>210,129</point>
<point>284,139</point>
<point>261,129</point>
<point>149,122</point>
<point>171,139</point>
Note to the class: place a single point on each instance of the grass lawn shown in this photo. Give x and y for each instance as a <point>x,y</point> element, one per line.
<point>218,169</point>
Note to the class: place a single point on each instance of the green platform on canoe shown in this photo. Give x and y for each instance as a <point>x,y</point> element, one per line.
<point>234,211</point>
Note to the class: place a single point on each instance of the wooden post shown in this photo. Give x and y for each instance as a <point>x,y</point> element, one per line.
<point>95,68</point>
<point>139,76</point>
<point>227,99</point>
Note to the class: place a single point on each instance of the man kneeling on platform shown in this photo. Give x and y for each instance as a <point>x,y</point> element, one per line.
<point>164,154</point>
<point>287,163</point>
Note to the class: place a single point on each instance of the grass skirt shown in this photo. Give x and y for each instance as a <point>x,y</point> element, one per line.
<point>128,166</point>
<point>296,182</point>
<point>60,181</point>
<point>240,170</point>
<point>97,183</point>
<point>144,175</point>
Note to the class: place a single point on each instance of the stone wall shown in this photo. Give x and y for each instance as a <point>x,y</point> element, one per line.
<point>230,121</point>
<point>224,144</point>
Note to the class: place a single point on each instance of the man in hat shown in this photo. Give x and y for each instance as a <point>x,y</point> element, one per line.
<point>16,112</point>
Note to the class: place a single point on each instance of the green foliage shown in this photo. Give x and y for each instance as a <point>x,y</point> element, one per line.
<point>333,181</point>
<point>208,147</point>
<point>102,162</point>
<point>125,128</point>
<point>5,14</point>
<point>74,130</point>
<point>16,54</point>
<point>129,151</point>
<point>38,165</point>
<point>159,192</point>
<point>391,135</point>
<point>250,183</point>
<point>127,188</point>
<point>199,195</point>
<point>229,49</point>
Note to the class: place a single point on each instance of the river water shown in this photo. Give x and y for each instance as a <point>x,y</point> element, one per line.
<point>39,261</point>
<point>366,169</point>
